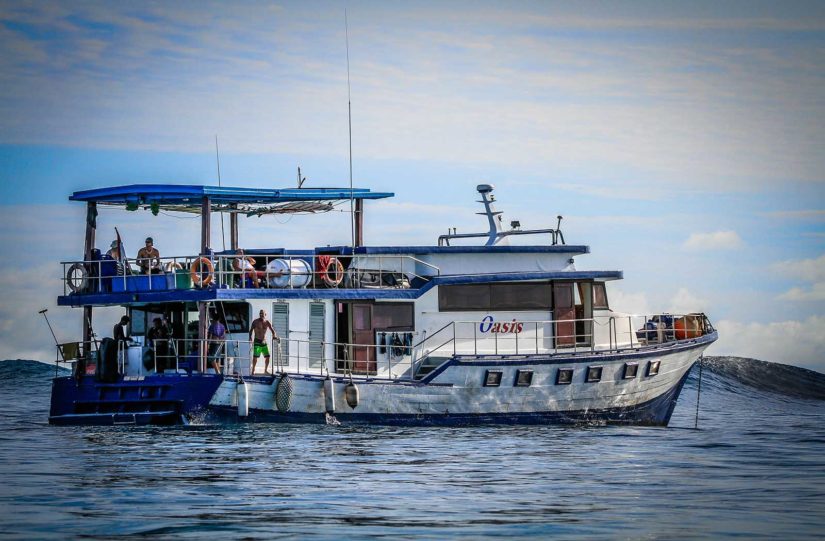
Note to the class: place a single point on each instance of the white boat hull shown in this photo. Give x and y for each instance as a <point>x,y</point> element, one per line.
<point>455,392</point>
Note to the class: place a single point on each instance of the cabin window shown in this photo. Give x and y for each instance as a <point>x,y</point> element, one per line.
<point>564,376</point>
<point>594,374</point>
<point>600,296</point>
<point>140,320</point>
<point>630,370</point>
<point>392,316</point>
<point>524,378</point>
<point>236,315</point>
<point>492,378</point>
<point>137,322</point>
<point>653,367</point>
<point>487,297</point>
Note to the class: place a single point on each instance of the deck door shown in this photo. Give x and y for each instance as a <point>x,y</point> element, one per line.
<point>362,334</point>
<point>564,313</point>
<point>317,314</point>
<point>280,322</point>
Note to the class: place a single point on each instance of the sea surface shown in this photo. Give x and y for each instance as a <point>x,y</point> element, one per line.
<point>755,469</point>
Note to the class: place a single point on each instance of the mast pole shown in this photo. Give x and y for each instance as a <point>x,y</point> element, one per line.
<point>349,118</point>
<point>89,245</point>
<point>218,160</point>
<point>203,315</point>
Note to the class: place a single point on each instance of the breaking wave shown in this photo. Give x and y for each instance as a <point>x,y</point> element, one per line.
<point>730,373</point>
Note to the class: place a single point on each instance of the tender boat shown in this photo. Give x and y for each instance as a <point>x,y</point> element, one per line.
<point>471,329</point>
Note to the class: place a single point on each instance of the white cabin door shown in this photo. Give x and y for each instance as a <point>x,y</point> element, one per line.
<point>280,322</point>
<point>317,315</point>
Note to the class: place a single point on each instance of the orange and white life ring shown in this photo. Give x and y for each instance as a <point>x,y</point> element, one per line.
<point>333,274</point>
<point>199,277</point>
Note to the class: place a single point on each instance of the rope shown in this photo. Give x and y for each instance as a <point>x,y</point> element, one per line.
<point>698,394</point>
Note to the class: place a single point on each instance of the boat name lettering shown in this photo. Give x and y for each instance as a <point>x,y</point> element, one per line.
<point>490,325</point>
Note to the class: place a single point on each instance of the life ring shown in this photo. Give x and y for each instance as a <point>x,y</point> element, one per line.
<point>197,272</point>
<point>77,277</point>
<point>333,274</point>
<point>172,266</point>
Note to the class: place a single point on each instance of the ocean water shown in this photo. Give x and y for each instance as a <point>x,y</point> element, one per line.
<point>755,469</point>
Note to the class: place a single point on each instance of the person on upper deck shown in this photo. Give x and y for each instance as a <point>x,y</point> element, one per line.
<point>259,327</point>
<point>148,258</point>
<point>245,265</point>
<point>113,254</point>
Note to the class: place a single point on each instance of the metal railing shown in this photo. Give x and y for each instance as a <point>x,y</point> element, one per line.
<point>551,337</point>
<point>474,338</point>
<point>276,271</point>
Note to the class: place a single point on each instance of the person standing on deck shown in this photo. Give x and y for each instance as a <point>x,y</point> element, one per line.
<point>216,336</point>
<point>121,340</point>
<point>260,347</point>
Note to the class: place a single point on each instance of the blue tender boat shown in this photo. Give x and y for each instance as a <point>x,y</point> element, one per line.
<point>474,328</point>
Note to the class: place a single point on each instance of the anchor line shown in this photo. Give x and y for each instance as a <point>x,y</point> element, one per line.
<point>698,395</point>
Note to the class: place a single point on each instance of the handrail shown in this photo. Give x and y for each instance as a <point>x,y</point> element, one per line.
<point>322,357</point>
<point>102,276</point>
<point>637,334</point>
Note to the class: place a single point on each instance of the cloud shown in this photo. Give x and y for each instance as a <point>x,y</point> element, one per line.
<point>621,191</point>
<point>808,215</point>
<point>489,87</point>
<point>800,294</point>
<point>685,302</point>
<point>800,343</point>
<point>628,303</point>
<point>808,270</point>
<point>718,240</point>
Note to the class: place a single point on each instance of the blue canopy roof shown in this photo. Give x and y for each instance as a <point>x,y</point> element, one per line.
<point>177,194</point>
<point>228,198</point>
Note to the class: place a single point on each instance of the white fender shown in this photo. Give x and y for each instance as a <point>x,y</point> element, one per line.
<point>329,395</point>
<point>243,399</point>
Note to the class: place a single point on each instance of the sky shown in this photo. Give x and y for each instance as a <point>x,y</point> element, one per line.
<point>681,141</point>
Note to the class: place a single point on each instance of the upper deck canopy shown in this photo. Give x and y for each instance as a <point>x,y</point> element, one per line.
<point>250,201</point>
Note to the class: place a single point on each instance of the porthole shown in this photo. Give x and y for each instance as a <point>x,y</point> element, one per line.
<point>594,374</point>
<point>653,367</point>
<point>564,376</point>
<point>492,378</point>
<point>524,378</point>
<point>630,370</point>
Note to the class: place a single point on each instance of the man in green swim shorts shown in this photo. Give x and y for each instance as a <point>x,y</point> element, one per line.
<point>259,345</point>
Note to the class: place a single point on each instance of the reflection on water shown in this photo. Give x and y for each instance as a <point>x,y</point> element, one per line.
<point>755,469</point>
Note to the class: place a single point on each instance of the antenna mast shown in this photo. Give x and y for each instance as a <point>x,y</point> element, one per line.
<point>349,113</point>
<point>218,158</point>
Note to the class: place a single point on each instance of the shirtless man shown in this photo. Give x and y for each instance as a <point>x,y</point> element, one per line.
<point>259,328</point>
<point>148,258</point>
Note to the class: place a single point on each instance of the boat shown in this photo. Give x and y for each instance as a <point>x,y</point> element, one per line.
<point>475,328</point>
